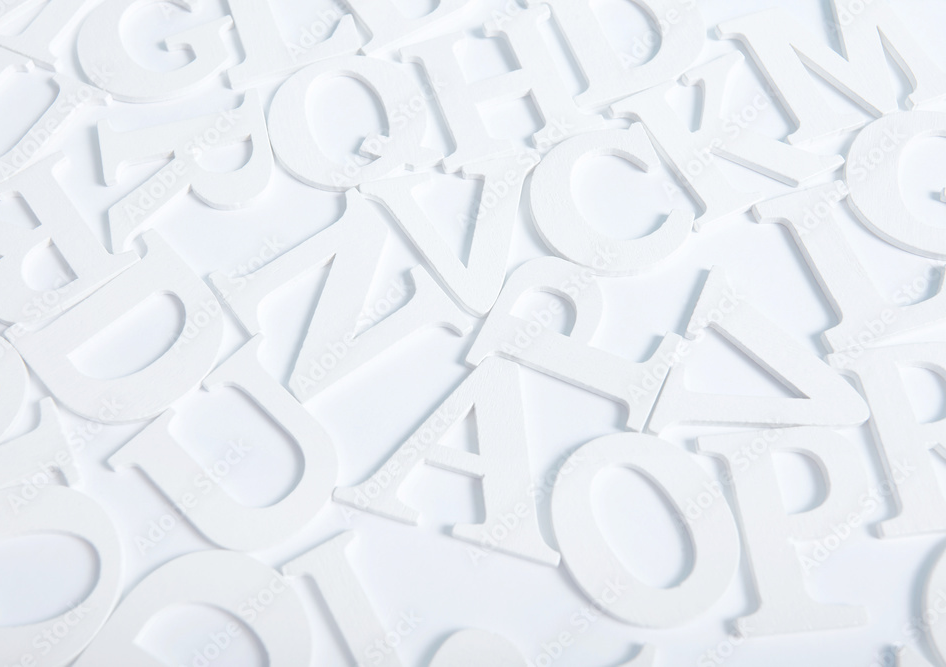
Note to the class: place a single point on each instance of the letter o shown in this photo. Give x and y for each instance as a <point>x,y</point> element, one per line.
<point>589,558</point>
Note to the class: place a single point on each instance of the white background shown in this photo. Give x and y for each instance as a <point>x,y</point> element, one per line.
<point>421,569</point>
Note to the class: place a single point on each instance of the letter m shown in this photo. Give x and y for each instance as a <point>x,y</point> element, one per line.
<point>788,54</point>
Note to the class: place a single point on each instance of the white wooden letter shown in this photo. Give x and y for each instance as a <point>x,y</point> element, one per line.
<point>865,315</point>
<point>212,511</point>
<point>692,155</point>
<point>511,525</point>
<point>904,443</point>
<point>71,96</point>
<point>827,400</point>
<point>62,227</point>
<point>101,49</point>
<point>268,56</point>
<point>536,77</point>
<point>50,508</point>
<point>404,107</point>
<point>234,583</point>
<point>345,597</point>
<point>873,175</point>
<point>45,31</point>
<point>476,284</point>
<point>185,142</point>
<point>14,381</point>
<point>62,510</point>
<point>562,226</point>
<point>570,358</point>
<point>389,27</point>
<point>679,26</point>
<point>787,53</point>
<point>145,393</point>
<point>341,339</point>
<point>769,532</point>
<point>600,573</point>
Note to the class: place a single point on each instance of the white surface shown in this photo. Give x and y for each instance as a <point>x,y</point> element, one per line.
<point>368,414</point>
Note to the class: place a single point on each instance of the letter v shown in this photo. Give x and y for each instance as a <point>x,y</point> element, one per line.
<point>476,284</point>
